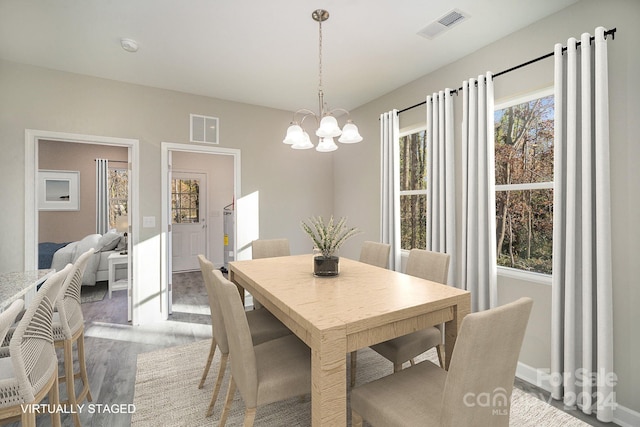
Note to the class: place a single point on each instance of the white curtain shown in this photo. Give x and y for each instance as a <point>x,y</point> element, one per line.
<point>582,320</point>
<point>478,252</point>
<point>441,187</point>
<point>390,185</point>
<point>102,196</point>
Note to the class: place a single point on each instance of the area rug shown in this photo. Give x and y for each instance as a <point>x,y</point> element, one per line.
<point>166,393</point>
<point>94,293</point>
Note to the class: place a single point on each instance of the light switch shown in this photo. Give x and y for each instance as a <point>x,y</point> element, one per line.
<point>148,221</point>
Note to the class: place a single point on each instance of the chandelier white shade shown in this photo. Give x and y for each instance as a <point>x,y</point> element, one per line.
<point>328,127</point>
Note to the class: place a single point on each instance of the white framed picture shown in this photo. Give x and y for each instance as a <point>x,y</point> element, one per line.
<point>58,190</point>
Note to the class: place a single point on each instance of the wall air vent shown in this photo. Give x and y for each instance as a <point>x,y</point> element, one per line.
<point>443,23</point>
<point>204,129</point>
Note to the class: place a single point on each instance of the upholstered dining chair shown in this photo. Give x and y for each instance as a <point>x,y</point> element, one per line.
<point>483,364</point>
<point>268,248</point>
<point>31,371</point>
<point>427,265</point>
<point>269,372</point>
<point>262,324</point>
<point>68,329</point>
<point>377,254</point>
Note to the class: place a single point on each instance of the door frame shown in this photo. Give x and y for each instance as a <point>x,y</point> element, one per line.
<point>165,250</point>
<point>31,213</point>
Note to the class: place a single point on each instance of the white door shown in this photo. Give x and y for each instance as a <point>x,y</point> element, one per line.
<point>188,224</point>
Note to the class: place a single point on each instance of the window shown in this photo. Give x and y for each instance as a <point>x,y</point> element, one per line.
<point>413,190</point>
<point>524,182</point>
<point>185,201</point>
<point>118,194</point>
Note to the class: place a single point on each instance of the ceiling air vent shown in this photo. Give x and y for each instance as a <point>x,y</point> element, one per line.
<point>443,23</point>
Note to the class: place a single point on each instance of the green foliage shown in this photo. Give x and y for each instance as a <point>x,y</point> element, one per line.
<point>328,237</point>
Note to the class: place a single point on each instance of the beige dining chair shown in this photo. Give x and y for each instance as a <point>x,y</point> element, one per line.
<point>377,254</point>
<point>427,265</point>
<point>8,316</point>
<point>268,248</point>
<point>475,391</point>
<point>30,373</point>
<point>262,324</point>
<point>269,372</point>
<point>68,329</point>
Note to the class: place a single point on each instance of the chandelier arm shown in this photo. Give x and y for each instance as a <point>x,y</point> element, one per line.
<point>339,109</point>
<point>305,113</point>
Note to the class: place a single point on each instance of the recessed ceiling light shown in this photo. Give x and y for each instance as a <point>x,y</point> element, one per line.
<point>129,45</point>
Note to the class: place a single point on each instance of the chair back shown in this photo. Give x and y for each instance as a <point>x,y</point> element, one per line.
<point>243,356</point>
<point>31,347</point>
<point>375,253</point>
<point>217,321</point>
<point>8,316</point>
<point>428,265</point>
<point>68,303</point>
<point>268,248</point>
<point>478,387</point>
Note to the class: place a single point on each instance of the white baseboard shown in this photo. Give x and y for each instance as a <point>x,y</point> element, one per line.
<point>623,416</point>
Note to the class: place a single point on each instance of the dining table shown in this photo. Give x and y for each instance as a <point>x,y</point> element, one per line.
<point>20,284</point>
<point>361,306</point>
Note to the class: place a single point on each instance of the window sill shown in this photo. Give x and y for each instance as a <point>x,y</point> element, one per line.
<point>529,276</point>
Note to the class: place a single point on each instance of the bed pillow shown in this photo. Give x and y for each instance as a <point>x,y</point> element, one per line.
<point>108,241</point>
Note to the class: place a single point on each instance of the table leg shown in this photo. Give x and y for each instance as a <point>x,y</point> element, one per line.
<point>452,327</point>
<point>329,379</point>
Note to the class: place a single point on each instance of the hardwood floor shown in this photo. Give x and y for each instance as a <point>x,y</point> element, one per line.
<point>112,346</point>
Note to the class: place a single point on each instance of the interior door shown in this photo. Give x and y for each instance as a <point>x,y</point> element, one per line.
<point>188,223</point>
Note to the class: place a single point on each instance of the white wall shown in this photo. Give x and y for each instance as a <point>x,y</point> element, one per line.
<point>356,192</point>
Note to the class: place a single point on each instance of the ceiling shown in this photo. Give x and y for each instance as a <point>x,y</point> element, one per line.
<point>256,51</point>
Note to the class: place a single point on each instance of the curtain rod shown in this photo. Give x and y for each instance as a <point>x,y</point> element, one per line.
<point>611,32</point>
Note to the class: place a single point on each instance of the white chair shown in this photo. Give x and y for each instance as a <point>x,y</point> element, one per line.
<point>483,366</point>
<point>263,325</point>
<point>377,254</point>
<point>268,248</point>
<point>265,373</point>
<point>31,371</point>
<point>427,265</point>
<point>68,328</point>
<point>9,316</point>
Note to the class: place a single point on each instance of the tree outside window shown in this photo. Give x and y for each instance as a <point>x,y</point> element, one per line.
<point>185,201</point>
<point>524,183</point>
<point>413,190</point>
<point>118,194</point>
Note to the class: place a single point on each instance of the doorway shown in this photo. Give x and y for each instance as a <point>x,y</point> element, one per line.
<point>32,140</point>
<point>218,173</point>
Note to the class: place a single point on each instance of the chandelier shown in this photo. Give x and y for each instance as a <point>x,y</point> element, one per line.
<point>327,124</point>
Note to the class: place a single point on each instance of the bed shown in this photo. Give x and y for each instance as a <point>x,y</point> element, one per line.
<point>98,267</point>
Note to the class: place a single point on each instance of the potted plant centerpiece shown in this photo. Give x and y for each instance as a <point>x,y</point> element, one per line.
<point>327,239</point>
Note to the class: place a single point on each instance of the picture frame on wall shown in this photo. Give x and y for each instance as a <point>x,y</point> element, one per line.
<point>58,190</point>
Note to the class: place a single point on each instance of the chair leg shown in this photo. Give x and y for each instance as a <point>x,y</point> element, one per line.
<point>54,399</point>
<point>69,380</point>
<point>249,417</point>
<point>397,367</point>
<point>216,388</point>
<point>28,419</point>
<point>412,362</point>
<point>212,351</point>
<point>86,391</point>
<point>227,404</point>
<point>354,361</point>
<point>440,350</point>
<point>356,419</point>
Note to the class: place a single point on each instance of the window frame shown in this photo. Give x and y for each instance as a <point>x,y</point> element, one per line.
<point>403,133</point>
<point>510,272</point>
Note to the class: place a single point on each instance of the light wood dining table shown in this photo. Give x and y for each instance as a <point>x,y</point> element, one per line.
<point>362,306</point>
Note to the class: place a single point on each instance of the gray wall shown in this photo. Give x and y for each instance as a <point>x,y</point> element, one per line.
<point>37,98</point>
<point>356,193</point>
